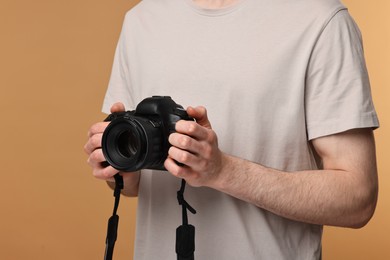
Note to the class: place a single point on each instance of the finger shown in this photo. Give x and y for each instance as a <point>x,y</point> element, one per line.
<point>175,169</point>
<point>200,115</point>
<point>192,129</point>
<point>117,107</point>
<point>93,143</point>
<point>183,157</point>
<point>185,142</point>
<point>97,128</point>
<point>106,173</point>
<point>96,159</point>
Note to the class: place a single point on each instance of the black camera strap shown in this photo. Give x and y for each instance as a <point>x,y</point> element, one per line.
<point>185,234</point>
<point>113,221</point>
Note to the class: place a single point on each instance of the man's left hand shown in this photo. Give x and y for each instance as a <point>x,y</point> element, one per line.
<point>195,146</point>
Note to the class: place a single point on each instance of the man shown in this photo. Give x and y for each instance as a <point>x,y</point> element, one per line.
<point>285,145</point>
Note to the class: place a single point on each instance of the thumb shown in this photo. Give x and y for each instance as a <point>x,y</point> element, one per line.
<point>200,115</point>
<point>117,107</point>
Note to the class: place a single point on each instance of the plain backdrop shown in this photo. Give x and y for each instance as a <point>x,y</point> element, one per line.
<point>55,62</point>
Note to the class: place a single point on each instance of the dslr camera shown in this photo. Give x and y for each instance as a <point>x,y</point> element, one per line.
<point>138,139</point>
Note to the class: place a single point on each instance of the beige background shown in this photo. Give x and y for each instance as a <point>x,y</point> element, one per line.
<point>55,61</point>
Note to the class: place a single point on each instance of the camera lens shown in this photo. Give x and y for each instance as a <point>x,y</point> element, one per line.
<point>128,144</point>
<point>133,143</point>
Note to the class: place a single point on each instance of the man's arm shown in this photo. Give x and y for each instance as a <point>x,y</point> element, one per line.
<point>344,193</point>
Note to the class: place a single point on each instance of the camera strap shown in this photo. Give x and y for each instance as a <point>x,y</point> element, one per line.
<point>185,234</point>
<point>113,221</point>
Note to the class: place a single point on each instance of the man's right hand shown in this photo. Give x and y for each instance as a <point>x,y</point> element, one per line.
<point>97,161</point>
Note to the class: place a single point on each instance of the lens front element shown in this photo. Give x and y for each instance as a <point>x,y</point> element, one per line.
<point>128,144</point>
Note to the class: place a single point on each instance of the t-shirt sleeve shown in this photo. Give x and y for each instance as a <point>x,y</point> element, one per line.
<point>337,95</point>
<point>119,86</point>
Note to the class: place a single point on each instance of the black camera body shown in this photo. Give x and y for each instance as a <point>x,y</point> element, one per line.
<point>138,139</point>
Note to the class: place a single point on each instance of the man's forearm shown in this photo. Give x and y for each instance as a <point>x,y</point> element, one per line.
<point>326,197</point>
<point>343,194</point>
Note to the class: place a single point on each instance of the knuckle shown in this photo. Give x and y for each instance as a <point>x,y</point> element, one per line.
<point>185,141</point>
<point>180,171</point>
<point>95,156</point>
<point>97,128</point>
<point>93,129</point>
<point>96,140</point>
<point>177,171</point>
<point>191,127</point>
<point>106,174</point>
<point>184,157</point>
<point>96,173</point>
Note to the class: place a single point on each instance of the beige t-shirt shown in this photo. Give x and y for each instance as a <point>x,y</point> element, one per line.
<point>273,75</point>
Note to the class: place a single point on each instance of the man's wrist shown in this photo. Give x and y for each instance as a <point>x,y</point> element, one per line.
<point>225,174</point>
<point>131,183</point>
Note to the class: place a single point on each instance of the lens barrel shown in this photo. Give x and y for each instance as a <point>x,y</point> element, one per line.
<point>131,144</point>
